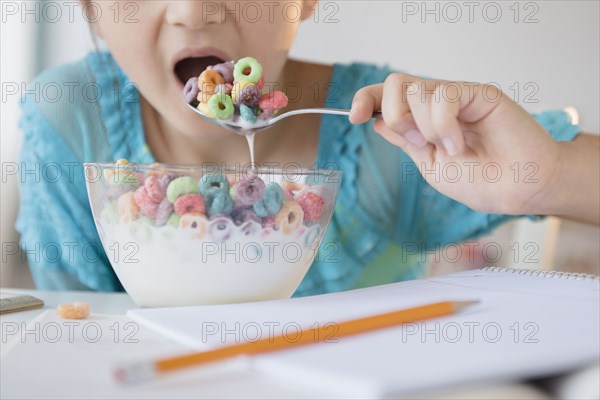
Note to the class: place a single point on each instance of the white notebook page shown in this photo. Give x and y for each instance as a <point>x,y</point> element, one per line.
<point>524,327</point>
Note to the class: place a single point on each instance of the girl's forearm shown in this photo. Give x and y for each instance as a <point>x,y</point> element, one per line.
<point>575,193</point>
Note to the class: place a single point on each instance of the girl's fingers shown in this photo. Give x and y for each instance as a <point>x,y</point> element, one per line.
<point>419,97</point>
<point>445,106</point>
<point>420,154</point>
<point>366,100</point>
<point>482,101</point>
<point>395,108</point>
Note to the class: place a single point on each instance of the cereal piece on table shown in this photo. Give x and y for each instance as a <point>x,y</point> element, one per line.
<point>76,310</point>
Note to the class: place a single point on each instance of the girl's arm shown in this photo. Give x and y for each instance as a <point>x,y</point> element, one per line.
<point>576,191</point>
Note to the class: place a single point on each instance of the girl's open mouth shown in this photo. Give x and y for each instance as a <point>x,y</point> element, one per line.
<point>193,66</point>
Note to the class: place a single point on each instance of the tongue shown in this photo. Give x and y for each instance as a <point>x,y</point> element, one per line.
<point>190,67</point>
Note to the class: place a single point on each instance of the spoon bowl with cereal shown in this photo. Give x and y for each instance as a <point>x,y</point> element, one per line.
<point>232,96</point>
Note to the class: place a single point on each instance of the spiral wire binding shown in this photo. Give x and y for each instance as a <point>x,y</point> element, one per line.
<point>545,274</point>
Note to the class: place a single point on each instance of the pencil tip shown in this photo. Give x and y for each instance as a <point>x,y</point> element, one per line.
<point>459,305</point>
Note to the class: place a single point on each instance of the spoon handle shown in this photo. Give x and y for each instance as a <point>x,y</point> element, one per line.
<point>334,111</point>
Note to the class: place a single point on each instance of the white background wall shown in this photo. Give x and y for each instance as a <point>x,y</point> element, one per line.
<point>549,50</point>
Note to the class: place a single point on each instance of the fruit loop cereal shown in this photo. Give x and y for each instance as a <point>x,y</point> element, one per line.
<point>198,204</point>
<point>77,310</point>
<point>234,91</point>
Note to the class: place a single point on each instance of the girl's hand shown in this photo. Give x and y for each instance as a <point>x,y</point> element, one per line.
<point>469,141</point>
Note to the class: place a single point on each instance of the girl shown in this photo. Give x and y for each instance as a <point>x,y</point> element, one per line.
<point>386,212</point>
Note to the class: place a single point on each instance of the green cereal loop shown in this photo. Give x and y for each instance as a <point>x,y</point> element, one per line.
<point>181,186</point>
<point>243,64</point>
<point>140,229</point>
<point>143,220</point>
<point>109,215</point>
<point>221,105</point>
<point>173,220</point>
<point>213,181</point>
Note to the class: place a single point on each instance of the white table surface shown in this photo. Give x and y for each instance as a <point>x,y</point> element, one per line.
<point>42,370</point>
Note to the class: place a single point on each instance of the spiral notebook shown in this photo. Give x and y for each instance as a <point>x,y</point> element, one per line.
<point>528,324</point>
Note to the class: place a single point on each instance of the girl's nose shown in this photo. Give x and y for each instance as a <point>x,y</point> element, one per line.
<point>193,14</point>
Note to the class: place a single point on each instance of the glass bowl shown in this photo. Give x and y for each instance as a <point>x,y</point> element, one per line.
<point>190,235</point>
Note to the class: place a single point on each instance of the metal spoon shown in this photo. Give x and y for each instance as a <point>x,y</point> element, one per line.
<point>243,128</point>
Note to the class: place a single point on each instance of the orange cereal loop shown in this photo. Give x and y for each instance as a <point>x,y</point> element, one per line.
<point>290,218</point>
<point>153,169</point>
<point>290,188</point>
<point>128,209</point>
<point>77,310</point>
<point>195,224</point>
<point>122,161</point>
<point>207,83</point>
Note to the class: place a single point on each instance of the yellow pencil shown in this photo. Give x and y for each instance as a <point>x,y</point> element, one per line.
<point>142,371</point>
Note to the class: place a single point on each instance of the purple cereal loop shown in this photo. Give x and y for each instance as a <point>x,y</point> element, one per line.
<point>220,227</point>
<point>249,190</point>
<point>243,215</point>
<point>164,180</point>
<point>190,91</point>
<point>165,209</point>
<point>251,228</point>
<point>226,71</point>
<point>249,96</point>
